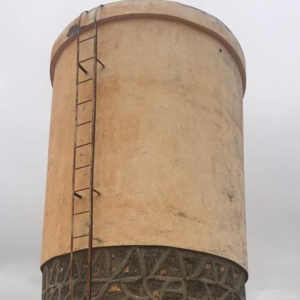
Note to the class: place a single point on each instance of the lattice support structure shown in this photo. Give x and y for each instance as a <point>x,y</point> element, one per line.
<point>145,273</point>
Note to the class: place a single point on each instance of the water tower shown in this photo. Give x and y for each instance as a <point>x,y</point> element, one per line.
<point>145,185</point>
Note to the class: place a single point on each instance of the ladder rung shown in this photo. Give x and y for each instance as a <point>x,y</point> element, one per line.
<point>84,189</point>
<point>92,37</point>
<point>80,236</point>
<point>82,212</point>
<point>83,145</point>
<point>85,80</point>
<point>84,123</point>
<point>86,59</point>
<point>82,167</point>
<point>85,102</point>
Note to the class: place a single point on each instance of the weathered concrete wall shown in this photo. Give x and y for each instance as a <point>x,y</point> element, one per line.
<point>169,133</point>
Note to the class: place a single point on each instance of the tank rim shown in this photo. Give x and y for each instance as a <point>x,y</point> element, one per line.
<point>155,9</point>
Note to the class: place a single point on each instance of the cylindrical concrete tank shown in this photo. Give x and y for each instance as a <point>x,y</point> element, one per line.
<point>168,157</point>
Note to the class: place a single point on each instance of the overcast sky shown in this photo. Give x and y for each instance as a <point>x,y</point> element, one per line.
<point>269,32</point>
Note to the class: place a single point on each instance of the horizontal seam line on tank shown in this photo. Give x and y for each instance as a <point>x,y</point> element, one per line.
<point>85,102</point>
<point>80,124</point>
<point>85,80</point>
<point>86,59</point>
<point>82,167</point>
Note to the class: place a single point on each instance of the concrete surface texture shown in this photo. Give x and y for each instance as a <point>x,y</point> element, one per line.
<point>169,133</point>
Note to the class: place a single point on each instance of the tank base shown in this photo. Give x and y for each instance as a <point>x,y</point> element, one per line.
<point>145,273</point>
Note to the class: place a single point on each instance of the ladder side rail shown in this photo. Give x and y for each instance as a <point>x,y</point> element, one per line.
<point>74,166</point>
<point>92,160</point>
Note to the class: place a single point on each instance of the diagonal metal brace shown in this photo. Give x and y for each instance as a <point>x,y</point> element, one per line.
<point>103,66</point>
<point>82,69</point>
<point>77,195</point>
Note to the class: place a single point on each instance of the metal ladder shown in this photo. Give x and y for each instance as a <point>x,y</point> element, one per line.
<point>85,149</point>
